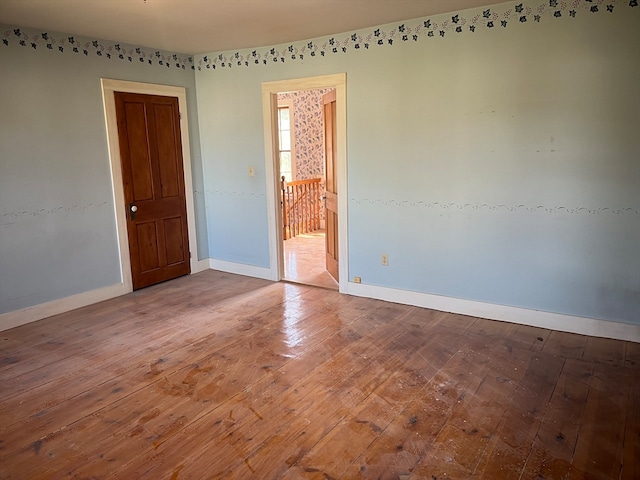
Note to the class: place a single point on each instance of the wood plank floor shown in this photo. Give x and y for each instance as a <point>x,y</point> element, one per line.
<point>222,376</point>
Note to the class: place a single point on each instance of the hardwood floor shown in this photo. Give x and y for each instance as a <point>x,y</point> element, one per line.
<point>304,261</point>
<point>221,376</point>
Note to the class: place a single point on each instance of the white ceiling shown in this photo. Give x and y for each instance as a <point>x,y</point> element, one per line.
<point>202,26</point>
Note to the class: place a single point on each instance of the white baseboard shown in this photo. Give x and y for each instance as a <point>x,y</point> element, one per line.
<point>241,269</point>
<point>38,312</point>
<point>534,318</point>
<point>200,266</point>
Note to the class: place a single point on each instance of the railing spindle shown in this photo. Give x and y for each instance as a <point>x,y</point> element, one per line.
<point>300,206</point>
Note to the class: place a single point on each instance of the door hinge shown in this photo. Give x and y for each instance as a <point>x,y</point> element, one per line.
<point>189,254</point>
<point>180,115</point>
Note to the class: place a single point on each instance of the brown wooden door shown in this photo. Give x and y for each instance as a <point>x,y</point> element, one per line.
<point>331,180</point>
<point>152,172</point>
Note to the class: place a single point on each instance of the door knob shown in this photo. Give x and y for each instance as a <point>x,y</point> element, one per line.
<point>132,211</point>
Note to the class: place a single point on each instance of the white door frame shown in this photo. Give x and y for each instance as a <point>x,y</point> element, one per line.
<point>108,88</point>
<point>270,92</point>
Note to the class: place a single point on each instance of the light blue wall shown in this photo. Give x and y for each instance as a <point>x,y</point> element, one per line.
<point>500,165</point>
<point>235,202</point>
<point>58,232</point>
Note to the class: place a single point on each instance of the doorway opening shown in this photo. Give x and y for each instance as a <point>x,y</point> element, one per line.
<point>302,173</point>
<point>307,245</point>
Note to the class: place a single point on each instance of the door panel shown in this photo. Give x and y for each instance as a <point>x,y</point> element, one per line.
<point>147,238</point>
<point>138,146</point>
<point>331,179</point>
<point>173,234</point>
<point>153,178</point>
<point>170,182</point>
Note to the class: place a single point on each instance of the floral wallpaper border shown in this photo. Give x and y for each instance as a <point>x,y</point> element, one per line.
<point>65,44</point>
<point>439,26</point>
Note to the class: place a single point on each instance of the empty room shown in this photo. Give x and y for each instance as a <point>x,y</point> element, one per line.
<point>320,239</point>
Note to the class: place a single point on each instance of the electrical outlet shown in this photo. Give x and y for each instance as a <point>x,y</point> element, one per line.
<point>357,280</point>
<point>384,259</point>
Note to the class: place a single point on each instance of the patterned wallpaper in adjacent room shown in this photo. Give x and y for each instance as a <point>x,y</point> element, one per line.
<point>308,131</point>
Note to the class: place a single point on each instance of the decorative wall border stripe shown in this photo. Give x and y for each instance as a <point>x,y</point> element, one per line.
<point>12,216</point>
<point>451,206</point>
<point>226,193</point>
<point>439,26</point>
<point>115,51</point>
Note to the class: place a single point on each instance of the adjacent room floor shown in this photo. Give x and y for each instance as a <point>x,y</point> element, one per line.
<point>304,260</point>
<point>221,376</point>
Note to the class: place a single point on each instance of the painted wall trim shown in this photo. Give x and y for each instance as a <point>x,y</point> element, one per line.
<point>523,316</point>
<point>200,266</point>
<point>108,88</point>
<point>241,269</point>
<point>38,312</point>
